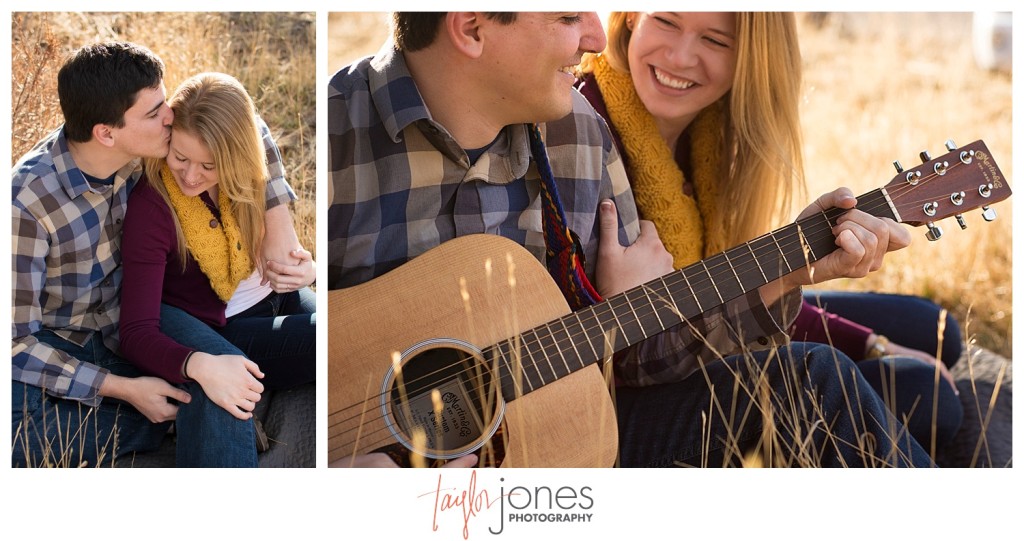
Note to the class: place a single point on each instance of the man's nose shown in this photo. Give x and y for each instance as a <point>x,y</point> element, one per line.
<point>592,39</point>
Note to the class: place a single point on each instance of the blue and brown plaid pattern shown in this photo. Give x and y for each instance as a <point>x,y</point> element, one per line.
<point>400,184</point>
<point>66,261</point>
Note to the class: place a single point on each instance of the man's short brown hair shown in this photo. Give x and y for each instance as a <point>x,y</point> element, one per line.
<point>418,30</point>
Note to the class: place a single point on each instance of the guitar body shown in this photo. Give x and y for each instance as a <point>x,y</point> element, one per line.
<point>567,423</point>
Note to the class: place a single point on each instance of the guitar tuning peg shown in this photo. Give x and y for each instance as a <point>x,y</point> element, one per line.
<point>988,214</point>
<point>898,166</point>
<point>960,220</point>
<point>934,232</point>
<point>950,145</point>
<point>925,157</point>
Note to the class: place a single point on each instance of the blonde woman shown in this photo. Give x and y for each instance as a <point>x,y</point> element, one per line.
<point>705,110</point>
<point>192,237</point>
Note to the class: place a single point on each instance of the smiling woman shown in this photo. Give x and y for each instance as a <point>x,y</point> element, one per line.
<point>192,164</point>
<point>674,57</point>
<point>704,107</point>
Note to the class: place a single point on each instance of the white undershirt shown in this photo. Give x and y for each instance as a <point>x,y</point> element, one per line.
<point>248,293</point>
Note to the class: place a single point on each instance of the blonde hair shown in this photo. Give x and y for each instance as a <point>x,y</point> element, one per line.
<point>762,140</point>
<point>216,108</point>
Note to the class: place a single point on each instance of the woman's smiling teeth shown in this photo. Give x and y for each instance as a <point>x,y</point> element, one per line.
<point>672,82</point>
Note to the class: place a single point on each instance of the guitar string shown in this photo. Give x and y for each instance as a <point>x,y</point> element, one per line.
<point>895,193</point>
<point>382,434</point>
<point>368,437</point>
<point>739,268</point>
<point>570,337</point>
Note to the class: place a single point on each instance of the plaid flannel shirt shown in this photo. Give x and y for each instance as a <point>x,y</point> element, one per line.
<point>400,185</point>
<point>66,261</point>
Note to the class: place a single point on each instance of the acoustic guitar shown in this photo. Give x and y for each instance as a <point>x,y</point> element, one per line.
<point>473,338</point>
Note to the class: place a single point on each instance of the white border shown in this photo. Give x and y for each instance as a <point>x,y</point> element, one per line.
<point>343,504</point>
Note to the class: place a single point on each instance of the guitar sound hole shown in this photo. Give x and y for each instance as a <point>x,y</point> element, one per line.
<point>491,455</point>
<point>443,403</point>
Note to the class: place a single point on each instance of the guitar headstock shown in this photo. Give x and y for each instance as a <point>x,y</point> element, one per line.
<point>963,179</point>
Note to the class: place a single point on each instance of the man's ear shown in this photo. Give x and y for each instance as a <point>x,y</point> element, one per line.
<point>463,29</point>
<point>103,134</point>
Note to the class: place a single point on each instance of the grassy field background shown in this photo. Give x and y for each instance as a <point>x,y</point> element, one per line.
<point>872,96</point>
<point>272,54</point>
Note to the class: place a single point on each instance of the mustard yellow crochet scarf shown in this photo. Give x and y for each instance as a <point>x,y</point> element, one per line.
<point>688,228</point>
<point>219,250</point>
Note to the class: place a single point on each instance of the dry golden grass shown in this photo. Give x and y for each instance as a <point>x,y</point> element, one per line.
<point>354,35</point>
<point>272,54</point>
<point>871,96</point>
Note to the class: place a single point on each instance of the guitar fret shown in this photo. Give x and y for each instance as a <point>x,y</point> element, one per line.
<point>650,301</point>
<point>732,268</point>
<point>600,338</point>
<point>542,351</point>
<point>569,336</point>
<point>537,357</point>
<point>829,242</point>
<point>672,313</point>
<point>586,334</point>
<point>618,323</point>
<point>712,280</point>
<point>511,386</point>
<point>676,310</point>
<point>632,310</point>
<point>725,287</point>
<point>781,251</point>
<point>756,262</point>
<point>554,341</point>
<point>526,347</point>
<point>800,254</point>
<point>806,251</point>
<point>693,293</point>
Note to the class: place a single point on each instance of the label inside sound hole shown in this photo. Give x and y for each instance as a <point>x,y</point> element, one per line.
<point>455,426</point>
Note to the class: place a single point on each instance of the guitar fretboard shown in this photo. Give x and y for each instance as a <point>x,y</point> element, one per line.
<point>546,353</point>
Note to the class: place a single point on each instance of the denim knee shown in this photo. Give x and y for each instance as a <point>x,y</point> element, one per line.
<point>908,386</point>
<point>209,436</point>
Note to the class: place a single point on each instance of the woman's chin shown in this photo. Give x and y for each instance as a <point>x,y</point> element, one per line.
<point>190,191</point>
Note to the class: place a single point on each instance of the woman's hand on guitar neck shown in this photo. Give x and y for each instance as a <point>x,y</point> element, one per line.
<point>381,460</point>
<point>862,241</point>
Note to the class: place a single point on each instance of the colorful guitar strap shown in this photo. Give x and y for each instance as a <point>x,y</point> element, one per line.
<point>565,258</point>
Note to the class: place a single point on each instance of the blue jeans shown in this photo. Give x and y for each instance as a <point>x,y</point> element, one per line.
<point>279,334</point>
<point>208,436</point>
<point>906,384</point>
<point>51,431</point>
<point>820,411</point>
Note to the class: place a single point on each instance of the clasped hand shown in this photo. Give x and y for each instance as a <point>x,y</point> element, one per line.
<point>296,273</point>
<point>229,381</point>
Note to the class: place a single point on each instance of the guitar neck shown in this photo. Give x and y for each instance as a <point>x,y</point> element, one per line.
<point>544,354</point>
